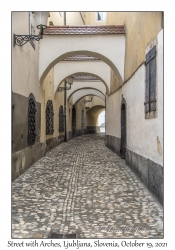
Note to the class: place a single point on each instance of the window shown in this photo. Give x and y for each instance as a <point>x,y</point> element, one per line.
<point>32,27</point>
<point>101,16</point>
<point>49,118</point>
<point>31,119</point>
<point>61,119</point>
<point>150,90</point>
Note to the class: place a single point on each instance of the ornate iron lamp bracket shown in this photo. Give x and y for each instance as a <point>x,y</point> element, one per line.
<point>20,40</point>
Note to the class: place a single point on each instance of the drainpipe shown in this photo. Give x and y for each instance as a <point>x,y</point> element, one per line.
<point>65,134</point>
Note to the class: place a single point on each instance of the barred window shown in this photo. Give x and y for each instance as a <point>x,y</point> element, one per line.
<point>61,119</point>
<point>150,89</point>
<point>32,118</point>
<point>49,118</point>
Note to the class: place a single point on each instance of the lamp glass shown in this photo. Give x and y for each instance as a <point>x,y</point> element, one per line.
<point>70,80</point>
<point>41,17</point>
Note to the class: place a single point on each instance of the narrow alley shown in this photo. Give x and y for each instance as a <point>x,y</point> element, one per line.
<point>83,187</point>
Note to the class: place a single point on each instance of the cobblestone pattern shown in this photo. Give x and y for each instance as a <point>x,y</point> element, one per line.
<point>83,187</point>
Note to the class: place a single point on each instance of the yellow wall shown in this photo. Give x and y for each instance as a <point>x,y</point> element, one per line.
<point>56,18</point>
<point>57,100</point>
<point>141,28</point>
<point>25,79</point>
<point>91,19</point>
<point>79,106</point>
<point>72,18</point>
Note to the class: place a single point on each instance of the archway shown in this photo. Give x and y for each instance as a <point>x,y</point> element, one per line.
<point>102,121</point>
<point>97,68</point>
<point>86,92</point>
<point>52,50</point>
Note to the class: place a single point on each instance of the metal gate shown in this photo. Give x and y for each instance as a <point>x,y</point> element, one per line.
<point>123,132</point>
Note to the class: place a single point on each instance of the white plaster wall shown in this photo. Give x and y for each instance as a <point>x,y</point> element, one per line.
<point>81,93</point>
<point>144,136</point>
<point>64,69</point>
<point>86,85</point>
<point>111,49</point>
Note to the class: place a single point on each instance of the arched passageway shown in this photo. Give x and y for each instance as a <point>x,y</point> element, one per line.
<point>102,121</point>
<point>97,68</point>
<point>52,50</point>
<point>93,118</point>
<point>85,92</point>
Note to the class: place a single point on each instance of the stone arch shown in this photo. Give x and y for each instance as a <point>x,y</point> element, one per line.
<point>85,92</point>
<point>92,116</point>
<point>85,88</point>
<point>84,96</point>
<point>96,68</point>
<point>51,64</point>
<point>86,73</point>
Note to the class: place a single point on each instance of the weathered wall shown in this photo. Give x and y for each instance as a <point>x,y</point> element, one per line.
<point>144,143</point>
<point>20,122</point>
<point>141,28</point>
<point>144,136</point>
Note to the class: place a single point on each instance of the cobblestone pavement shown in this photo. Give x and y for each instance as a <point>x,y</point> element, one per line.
<point>83,187</point>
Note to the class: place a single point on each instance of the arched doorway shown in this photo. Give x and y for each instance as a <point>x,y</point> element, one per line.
<point>102,121</point>
<point>73,121</point>
<point>123,131</point>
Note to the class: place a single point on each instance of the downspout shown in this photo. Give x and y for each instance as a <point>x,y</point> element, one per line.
<point>65,134</point>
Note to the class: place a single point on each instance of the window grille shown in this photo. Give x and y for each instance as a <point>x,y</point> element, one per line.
<point>49,118</point>
<point>150,91</point>
<point>61,119</point>
<point>32,118</point>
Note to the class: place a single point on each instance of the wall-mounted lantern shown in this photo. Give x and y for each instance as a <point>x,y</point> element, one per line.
<point>41,22</point>
<point>90,100</point>
<point>69,80</point>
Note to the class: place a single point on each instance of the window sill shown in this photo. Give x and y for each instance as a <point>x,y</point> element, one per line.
<point>151,115</point>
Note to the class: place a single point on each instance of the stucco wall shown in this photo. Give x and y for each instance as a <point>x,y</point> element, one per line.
<point>25,79</point>
<point>56,18</point>
<point>144,136</point>
<point>57,100</point>
<point>79,106</point>
<point>72,18</point>
<point>91,19</point>
<point>141,28</point>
